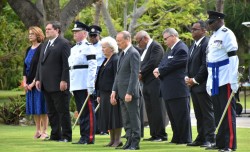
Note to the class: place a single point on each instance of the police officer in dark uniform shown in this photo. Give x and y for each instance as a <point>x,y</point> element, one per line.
<point>222,65</point>
<point>94,38</point>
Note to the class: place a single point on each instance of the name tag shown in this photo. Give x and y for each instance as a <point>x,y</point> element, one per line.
<point>170,57</point>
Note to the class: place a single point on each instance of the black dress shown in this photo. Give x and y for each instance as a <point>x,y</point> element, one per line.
<point>109,115</point>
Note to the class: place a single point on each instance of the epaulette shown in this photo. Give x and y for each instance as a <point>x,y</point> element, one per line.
<point>88,43</point>
<point>224,29</point>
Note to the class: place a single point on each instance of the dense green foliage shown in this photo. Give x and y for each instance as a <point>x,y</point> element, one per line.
<point>13,42</point>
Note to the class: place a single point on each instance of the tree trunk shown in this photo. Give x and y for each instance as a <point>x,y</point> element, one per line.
<point>23,9</point>
<point>220,6</point>
<point>97,13</point>
<point>107,20</point>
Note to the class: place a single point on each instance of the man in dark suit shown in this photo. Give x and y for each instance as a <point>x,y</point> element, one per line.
<point>127,89</point>
<point>155,107</point>
<point>53,79</point>
<point>196,79</point>
<point>174,91</point>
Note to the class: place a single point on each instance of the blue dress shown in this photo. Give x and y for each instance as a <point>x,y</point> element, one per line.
<point>35,102</point>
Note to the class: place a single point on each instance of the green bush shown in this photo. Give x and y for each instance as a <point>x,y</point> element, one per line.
<point>14,110</point>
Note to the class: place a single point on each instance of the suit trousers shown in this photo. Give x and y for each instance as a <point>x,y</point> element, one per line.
<point>87,118</point>
<point>131,120</point>
<point>59,115</point>
<point>226,136</point>
<point>178,110</point>
<point>155,109</point>
<point>204,114</point>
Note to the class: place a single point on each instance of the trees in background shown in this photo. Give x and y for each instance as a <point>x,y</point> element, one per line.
<point>113,16</point>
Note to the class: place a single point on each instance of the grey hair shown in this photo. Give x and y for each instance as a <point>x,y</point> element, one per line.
<point>126,35</point>
<point>143,33</point>
<point>111,42</point>
<point>171,31</point>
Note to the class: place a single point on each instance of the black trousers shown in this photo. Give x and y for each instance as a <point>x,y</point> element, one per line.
<point>155,109</point>
<point>87,118</point>
<point>178,110</point>
<point>204,114</point>
<point>226,136</point>
<point>59,115</point>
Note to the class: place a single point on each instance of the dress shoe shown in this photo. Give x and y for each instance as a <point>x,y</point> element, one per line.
<point>119,145</point>
<point>127,145</point>
<point>212,147</point>
<point>149,139</point>
<point>207,144</point>
<point>225,150</point>
<point>44,136</point>
<point>104,133</point>
<point>157,140</point>
<point>82,142</point>
<point>133,148</point>
<point>195,143</point>
<point>64,140</point>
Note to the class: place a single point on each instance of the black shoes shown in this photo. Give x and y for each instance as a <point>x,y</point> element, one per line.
<point>225,150</point>
<point>207,144</point>
<point>64,140</point>
<point>195,143</point>
<point>133,148</point>
<point>82,142</point>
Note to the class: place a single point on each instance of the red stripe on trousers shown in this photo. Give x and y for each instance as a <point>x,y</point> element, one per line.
<point>229,117</point>
<point>91,122</point>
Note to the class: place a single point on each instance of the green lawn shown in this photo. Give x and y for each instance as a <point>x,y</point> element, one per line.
<point>20,139</point>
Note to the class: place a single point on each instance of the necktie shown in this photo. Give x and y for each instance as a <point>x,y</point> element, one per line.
<point>193,49</point>
<point>121,58</point>
<point>46,47</point>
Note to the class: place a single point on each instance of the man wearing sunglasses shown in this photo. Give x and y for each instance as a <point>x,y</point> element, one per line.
<point>222,65</point>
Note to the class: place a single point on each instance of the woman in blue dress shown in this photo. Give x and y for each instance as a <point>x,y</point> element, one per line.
<point>35,102</point>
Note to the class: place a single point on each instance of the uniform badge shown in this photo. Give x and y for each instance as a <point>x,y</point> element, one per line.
<point>224,30</point>
<point>92,30</point>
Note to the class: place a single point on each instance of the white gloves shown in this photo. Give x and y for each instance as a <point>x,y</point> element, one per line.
<point>209,91</point>
<point>91,90</point>
<point>234,87</point>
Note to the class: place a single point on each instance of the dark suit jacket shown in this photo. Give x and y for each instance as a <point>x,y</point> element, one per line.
<point>33,65</point>
<point>151,61</point>
<point>172,73</point>
<point>196,65</point>
<point>106,77</point>
<point>126,80</point>
<point>53,65</point>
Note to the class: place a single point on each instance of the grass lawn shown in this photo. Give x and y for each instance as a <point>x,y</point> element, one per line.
<point>20,139</point>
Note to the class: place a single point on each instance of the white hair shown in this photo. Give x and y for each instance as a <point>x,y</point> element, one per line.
<point>111,42</point>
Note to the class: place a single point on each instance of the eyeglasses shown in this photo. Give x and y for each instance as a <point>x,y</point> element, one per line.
<point>195,29</point>
<point>166,38</point>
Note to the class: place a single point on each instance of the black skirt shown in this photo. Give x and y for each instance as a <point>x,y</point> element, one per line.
<point>109,116</point>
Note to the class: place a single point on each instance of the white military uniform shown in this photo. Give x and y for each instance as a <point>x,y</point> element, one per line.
<point>83,54</point>
<point>99,54</point>
<point>221,42</point>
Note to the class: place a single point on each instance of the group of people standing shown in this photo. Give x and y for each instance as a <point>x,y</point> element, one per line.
<point>119,81</point>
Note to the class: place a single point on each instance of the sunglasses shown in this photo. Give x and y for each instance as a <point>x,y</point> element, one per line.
<point>210,21</point>
<point>93,35</point>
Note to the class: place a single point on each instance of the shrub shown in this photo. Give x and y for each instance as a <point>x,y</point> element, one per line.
<point>14,110</point>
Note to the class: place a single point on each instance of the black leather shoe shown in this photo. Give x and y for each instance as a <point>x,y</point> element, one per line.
<point>207,144</point>
<point>133,148</point>
<point>127,145</point>
<point>157,140</point>
<point>149,139</point>
<point>64,140</point>
<point>225,150</point>
<point>80,142</point>
<point>194,143</point>
<point>212,147</point>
